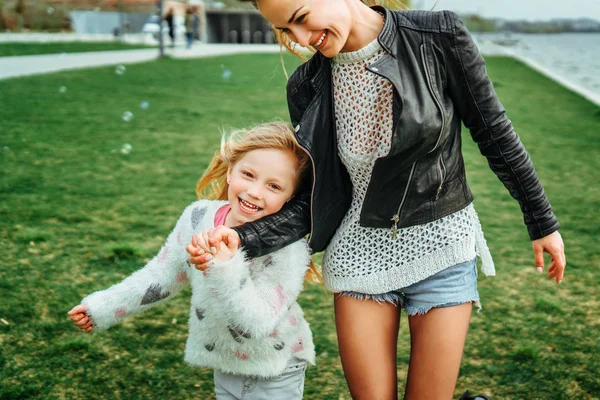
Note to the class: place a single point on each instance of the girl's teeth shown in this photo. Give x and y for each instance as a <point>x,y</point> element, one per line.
<point>249,206</point>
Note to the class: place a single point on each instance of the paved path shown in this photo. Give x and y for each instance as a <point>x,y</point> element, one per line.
<point>11,67</point>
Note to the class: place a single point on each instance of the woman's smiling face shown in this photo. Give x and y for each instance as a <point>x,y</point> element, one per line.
<point>321,24</point>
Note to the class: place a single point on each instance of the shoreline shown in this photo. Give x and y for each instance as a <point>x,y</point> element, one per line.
<point>487,48</point>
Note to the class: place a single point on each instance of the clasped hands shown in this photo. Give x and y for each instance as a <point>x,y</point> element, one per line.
<point>219,243</point>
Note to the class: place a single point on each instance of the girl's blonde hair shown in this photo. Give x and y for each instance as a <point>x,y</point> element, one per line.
<point>285,41</point>
<point>271,135</point>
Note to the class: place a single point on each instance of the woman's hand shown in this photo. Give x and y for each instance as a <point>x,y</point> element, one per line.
<point>225,251</point>
<point>553,245</point>
<point>80,318</point>
<point>204,245</point>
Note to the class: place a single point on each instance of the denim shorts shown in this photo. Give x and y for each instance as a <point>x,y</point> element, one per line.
<point>450,287</point>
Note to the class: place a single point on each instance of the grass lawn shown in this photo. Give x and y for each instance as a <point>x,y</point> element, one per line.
<point>77,215</point>
<point>35,48</point>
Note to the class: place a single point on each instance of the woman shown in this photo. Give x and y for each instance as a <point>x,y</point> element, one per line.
<point>379,109</point>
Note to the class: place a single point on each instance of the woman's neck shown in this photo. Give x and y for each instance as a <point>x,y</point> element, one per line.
<point>366,25</point>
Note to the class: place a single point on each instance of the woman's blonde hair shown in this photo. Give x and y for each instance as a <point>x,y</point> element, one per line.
<point>271,135</point>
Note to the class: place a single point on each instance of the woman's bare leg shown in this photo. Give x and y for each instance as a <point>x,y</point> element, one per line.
<point>367,334</point>
<point>437,342</point>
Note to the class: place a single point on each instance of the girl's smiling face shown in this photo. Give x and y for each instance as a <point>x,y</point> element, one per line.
<point>260,183</point>
<point>324,25</point>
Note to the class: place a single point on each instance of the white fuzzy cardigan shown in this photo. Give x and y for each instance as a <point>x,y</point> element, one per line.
<point>244,318</point>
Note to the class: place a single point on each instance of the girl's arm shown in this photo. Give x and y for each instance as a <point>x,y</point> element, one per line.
<point>254,303</point>
<point>160,279</point>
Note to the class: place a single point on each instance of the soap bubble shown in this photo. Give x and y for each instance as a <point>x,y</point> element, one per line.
<point>120,69</point>
<point>50,10</point>
<point>127,116</point>
<point>97,9</point>
<point>226,74</point>
<point>144,104</point>
<point>5,148</point>
<point>126,148</point>
<point>62,89</point>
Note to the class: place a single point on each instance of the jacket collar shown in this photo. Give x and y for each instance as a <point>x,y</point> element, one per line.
<point>388,35</point>
<point>387,39</point>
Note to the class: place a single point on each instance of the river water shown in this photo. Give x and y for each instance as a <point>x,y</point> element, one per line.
<point>574,57</point>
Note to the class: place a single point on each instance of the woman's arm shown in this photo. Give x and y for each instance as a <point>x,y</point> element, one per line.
<point>482,113</point>
<point>276,231</point>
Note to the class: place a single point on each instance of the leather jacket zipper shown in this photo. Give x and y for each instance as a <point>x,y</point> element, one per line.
<point>396,217</point>
<point>442,168</point>
<point>312,190</point>
<point>435,98</point>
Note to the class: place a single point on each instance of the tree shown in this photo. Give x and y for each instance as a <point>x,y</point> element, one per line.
<point>20,10</point>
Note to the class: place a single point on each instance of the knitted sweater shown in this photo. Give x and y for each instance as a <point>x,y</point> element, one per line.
<point>244,318</point>
<point>373,260</point>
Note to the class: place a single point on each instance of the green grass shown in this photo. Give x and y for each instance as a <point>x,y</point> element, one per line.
<point>76,216</point>
<point>36,48</point>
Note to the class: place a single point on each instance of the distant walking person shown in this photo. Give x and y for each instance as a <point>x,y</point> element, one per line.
<point>169,17</point>
<point>189,27</point>
<point>196,22</point>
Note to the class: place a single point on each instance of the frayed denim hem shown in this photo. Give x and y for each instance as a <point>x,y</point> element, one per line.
<point>390,297</point>
<point>424,310</point>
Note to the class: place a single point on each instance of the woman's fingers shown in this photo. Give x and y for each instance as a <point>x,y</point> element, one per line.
<point>553,245</point>
<point>222,234</point>
<point>233,242</point>
<point>538,255</point>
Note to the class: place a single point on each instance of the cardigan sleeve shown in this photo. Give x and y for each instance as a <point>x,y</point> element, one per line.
<point>254,304</point>
<point>160,279</point>
<point>482,113</point>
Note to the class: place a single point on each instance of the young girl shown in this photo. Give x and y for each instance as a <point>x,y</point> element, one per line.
<point>379,107</point>
<point>244,321</point>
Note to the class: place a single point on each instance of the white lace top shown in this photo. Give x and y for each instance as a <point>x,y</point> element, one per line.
<point>370,260</point>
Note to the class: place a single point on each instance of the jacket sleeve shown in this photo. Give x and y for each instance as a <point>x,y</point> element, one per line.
<point>479,108</point>
<point>276,231</point>
<point>255,305</point>
<point>160,279</point>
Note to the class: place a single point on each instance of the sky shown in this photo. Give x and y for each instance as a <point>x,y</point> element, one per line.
<point>518,9</point>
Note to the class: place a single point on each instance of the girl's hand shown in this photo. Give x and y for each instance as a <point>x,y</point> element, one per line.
<point>80,318</point>
<point>204,245</point>
<point>553,245</point>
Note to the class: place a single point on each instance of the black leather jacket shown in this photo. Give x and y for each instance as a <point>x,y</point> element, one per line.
<point>439,80</point>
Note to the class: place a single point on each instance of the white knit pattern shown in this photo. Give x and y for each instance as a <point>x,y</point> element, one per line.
<point>369,260</point>
<point>244,317</point>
